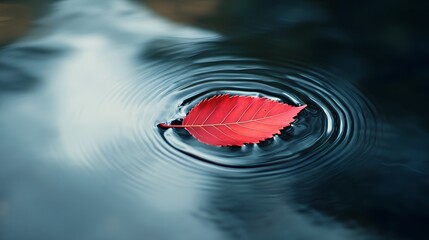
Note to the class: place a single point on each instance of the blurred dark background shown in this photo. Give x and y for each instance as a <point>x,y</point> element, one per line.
<point>379,46</point>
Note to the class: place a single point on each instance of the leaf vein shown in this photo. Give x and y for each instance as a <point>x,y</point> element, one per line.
<point>226,124</point>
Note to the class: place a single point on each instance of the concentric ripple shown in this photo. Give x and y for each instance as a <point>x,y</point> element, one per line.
<point>335,130</point>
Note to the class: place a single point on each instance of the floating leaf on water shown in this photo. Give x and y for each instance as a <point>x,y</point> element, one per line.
<point>225,120</point>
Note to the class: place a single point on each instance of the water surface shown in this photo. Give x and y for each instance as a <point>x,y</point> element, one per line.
<point>82,157</point>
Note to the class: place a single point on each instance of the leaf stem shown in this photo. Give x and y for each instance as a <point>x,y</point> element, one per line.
<point>163,125</point>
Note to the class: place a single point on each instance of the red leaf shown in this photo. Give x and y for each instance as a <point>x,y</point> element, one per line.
<point>226,120</point>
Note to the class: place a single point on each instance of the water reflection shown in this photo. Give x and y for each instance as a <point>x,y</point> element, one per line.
<point>82,157</point>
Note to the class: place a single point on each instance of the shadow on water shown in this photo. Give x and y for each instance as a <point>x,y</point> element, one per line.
<point>82,92</point>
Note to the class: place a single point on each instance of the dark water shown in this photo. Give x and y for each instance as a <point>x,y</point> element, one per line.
<point>82,92</point>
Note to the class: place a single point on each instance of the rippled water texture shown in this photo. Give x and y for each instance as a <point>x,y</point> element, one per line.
<point>336,130</point>
<point>330,132</point>
<point>83,158</point>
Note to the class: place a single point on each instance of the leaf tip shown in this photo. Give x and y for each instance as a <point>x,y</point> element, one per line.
<point>302,106</point>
